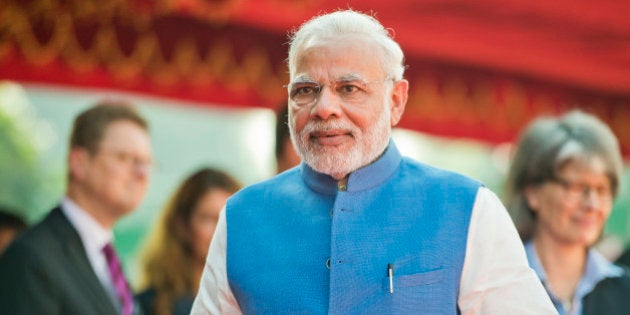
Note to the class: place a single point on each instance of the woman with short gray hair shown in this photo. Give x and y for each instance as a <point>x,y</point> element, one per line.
<point>560,191</point>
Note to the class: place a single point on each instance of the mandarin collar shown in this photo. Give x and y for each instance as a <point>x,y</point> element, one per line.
<point>364,178</point>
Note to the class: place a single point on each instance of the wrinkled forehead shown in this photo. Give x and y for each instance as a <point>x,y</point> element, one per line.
<point>306,78</point>
<point>337,58</point>
<point>125,135</point>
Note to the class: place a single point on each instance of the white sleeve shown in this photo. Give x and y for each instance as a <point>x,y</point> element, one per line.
<point>496,278</point>
<point>215,296</point>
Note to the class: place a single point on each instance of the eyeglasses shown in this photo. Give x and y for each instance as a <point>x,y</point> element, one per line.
<point>576,192</point>
<point>352,90</point>
<point>131,160</point>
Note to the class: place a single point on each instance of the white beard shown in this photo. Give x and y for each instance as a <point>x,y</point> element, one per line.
<point>339,162</point>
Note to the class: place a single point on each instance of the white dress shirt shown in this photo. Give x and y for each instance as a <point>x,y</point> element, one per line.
<point>496,278</point>
<point>94,237</point>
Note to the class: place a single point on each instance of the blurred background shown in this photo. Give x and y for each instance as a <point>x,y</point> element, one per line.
<point>208,75</point>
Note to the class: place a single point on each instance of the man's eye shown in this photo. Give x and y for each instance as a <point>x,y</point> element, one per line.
<point>124,157</point>
<point>348,89</point>
<point>305,90</point>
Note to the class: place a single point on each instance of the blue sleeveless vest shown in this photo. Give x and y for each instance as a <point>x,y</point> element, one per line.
<point>298,245</point>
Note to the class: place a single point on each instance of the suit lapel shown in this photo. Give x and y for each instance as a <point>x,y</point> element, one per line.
<point>79,265</point>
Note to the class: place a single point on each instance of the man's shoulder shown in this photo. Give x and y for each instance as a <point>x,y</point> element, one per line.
<point>283,184</point>
<point>37,237</point>
<point>288,178</point>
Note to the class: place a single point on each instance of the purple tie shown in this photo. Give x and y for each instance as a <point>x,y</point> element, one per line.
<point>118,279</point>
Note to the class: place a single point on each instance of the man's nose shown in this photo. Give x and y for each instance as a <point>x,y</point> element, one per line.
<point>328,105</point>
<point>143,168</point>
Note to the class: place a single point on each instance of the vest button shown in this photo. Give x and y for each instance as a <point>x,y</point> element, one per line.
<point>328,263</point>
<point>342,185</point>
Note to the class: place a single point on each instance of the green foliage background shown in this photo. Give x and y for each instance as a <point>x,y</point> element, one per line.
<point>27,183</point>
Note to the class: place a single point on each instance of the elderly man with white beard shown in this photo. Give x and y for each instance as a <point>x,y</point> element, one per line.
<point>357,228</point>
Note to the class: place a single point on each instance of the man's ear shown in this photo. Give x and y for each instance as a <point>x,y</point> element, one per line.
<point>399,100</point>
<point>78,159</point>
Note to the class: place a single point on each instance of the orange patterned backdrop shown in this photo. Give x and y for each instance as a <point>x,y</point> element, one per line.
<point>479,70</point>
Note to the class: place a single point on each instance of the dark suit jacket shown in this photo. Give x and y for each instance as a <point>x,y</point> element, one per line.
<point>610,296</point>
<point>46,271</point>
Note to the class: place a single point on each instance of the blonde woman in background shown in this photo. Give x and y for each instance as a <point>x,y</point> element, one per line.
<point>560,190</point>
<point>174,258</point>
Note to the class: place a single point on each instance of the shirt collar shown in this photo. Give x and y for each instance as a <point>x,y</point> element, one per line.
<point>364,178</point>
<point>597,269</point>
<point>534,261</point>
<point>93,235</point>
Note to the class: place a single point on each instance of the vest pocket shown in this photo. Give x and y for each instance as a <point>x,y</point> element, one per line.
<point>420,293</point>
<point>423,278</point>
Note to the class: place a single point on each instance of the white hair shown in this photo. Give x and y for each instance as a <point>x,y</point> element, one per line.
<point>348,22</point>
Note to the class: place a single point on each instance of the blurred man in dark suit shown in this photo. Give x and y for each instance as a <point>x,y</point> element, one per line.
<point>10,226</point>
<point>66,263</point>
